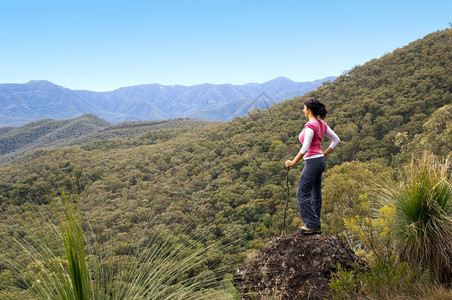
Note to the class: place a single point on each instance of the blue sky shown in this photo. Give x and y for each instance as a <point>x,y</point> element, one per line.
<point>104,45</point>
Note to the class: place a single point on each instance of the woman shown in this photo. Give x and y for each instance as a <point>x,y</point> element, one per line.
<point>309,193</point>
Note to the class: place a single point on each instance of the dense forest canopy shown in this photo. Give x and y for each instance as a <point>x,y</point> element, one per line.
<point>17,141</point>
<point>227,181</point>
<point>372,103</point>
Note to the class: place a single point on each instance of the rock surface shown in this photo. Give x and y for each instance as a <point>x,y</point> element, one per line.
<point>293,266</point>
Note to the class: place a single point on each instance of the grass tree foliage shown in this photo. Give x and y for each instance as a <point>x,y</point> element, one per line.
<point>62,260</point>
<point>423,222</point>
<point>402,230</point>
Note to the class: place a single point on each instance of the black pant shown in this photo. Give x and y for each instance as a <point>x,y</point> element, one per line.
<point>309,193</point>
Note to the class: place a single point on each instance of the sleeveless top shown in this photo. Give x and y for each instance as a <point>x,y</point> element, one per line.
<point>319,127</point>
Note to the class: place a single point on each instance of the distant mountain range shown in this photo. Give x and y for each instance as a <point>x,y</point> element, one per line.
<point>23,103</point>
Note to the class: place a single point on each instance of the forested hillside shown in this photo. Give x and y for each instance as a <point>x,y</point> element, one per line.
<point>44,132</point>
<point>227,181</point>
<point>17,141</point>
<point>374,104</point>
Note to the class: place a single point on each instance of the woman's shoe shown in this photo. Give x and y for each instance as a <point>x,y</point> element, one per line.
<point>307,231</point>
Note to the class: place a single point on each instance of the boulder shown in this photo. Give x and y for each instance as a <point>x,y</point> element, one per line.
<point>293,266</point>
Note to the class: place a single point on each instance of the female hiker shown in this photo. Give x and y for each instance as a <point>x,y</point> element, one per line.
<point>309,193</point>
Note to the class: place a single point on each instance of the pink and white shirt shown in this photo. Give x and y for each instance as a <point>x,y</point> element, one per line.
<point>311,138</point>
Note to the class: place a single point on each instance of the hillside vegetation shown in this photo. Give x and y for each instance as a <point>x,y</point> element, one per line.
<point>227,181</point>
<point>46,132</point>
<point>16,141</point>
<point>371,104</point>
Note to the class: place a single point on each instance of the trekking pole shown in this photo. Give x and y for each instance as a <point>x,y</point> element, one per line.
<point>287,201</point>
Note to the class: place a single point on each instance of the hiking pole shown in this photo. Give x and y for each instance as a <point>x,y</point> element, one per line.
<point>287,201</point>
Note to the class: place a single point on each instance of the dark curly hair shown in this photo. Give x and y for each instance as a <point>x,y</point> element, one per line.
<point>318,108</point>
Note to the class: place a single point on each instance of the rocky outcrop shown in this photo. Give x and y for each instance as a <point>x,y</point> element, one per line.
<point>293,267</point>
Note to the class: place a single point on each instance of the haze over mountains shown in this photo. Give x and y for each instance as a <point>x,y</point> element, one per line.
<point>23,103</point>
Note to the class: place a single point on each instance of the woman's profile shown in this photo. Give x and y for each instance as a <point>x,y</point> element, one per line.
<point>309,192</point>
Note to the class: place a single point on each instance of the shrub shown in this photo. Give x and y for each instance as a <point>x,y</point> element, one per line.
<point>59,260</point>
<point>423,221</point>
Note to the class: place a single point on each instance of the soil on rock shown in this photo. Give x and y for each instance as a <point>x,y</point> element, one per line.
<point>294,266</point>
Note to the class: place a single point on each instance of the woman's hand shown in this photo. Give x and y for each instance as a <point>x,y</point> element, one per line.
<point>289,163</point>
<point>327,151</point>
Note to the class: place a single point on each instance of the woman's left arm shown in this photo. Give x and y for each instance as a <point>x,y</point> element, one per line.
<point>308,136</point>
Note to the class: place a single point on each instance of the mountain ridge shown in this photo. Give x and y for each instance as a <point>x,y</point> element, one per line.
<point>46,133</point>
<point>41,99</point>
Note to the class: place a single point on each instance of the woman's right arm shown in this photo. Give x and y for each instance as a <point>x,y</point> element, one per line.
<point>334,140</point>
